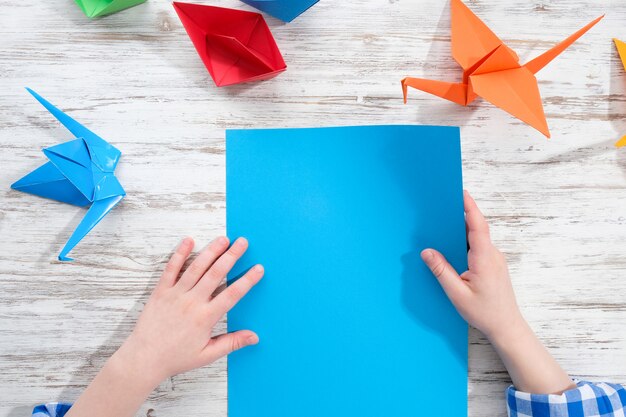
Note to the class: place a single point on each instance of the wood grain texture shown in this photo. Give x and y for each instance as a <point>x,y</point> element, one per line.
<point>557,208</point>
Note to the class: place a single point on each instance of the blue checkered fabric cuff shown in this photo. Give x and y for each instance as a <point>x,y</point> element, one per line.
<point>51,410</point>
<point>586,400</point>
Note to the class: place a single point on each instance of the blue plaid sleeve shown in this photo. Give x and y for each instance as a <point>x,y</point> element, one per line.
<point>51,410</point>
<point>586,400</point>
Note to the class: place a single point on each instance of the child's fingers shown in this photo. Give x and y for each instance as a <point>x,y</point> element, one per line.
<point>451,282</point>
<point>176,262</point>
<point>227,299</point>
<point>203,261</point>
<point>218,271</point>
<point>477,227</point>
<point>223,345</point>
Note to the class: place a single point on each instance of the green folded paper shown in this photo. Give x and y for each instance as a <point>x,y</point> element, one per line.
<point>97,8</point>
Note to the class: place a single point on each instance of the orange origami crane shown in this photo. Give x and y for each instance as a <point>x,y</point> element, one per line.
<point>492,70</point>
<point>621,48</point>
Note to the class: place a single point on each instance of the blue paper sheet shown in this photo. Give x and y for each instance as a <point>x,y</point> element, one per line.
<point>351,322</point>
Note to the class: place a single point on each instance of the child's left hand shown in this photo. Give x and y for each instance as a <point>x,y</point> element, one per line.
<point>173,333</point>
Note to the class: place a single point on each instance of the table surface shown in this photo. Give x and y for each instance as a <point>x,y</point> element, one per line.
<point>556,207</point>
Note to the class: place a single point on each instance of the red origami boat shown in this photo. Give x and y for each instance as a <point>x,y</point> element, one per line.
<point>236,46</point>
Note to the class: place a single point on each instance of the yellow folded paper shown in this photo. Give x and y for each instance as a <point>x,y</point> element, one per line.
<point>621,48</point>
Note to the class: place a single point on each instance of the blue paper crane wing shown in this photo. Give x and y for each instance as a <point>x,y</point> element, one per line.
<point>80,172</point>
<point>48,182</point>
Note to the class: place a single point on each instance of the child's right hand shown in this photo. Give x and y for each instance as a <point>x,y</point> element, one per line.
<point>483,294</point>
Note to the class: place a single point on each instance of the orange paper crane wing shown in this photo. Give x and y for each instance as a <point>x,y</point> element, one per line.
<point>472,41</point>
<point>491,70</point>
<point>621,48</point>
<point>515,91</point>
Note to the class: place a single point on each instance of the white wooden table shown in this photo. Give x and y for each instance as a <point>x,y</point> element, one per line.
<point>557,208</point>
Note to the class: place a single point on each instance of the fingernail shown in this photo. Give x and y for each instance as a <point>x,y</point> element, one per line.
<point>241,241</point>
<point>427,255</point>
<point>258,268</point>
<point>252,340</point>
<point>186,241</point>
<point>222,240</point>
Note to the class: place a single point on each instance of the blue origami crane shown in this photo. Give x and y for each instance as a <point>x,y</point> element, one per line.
<point>80,172</point>
<point>285,10</point>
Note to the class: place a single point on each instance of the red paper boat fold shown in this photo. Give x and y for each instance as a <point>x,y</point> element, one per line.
<point>236,46</point>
